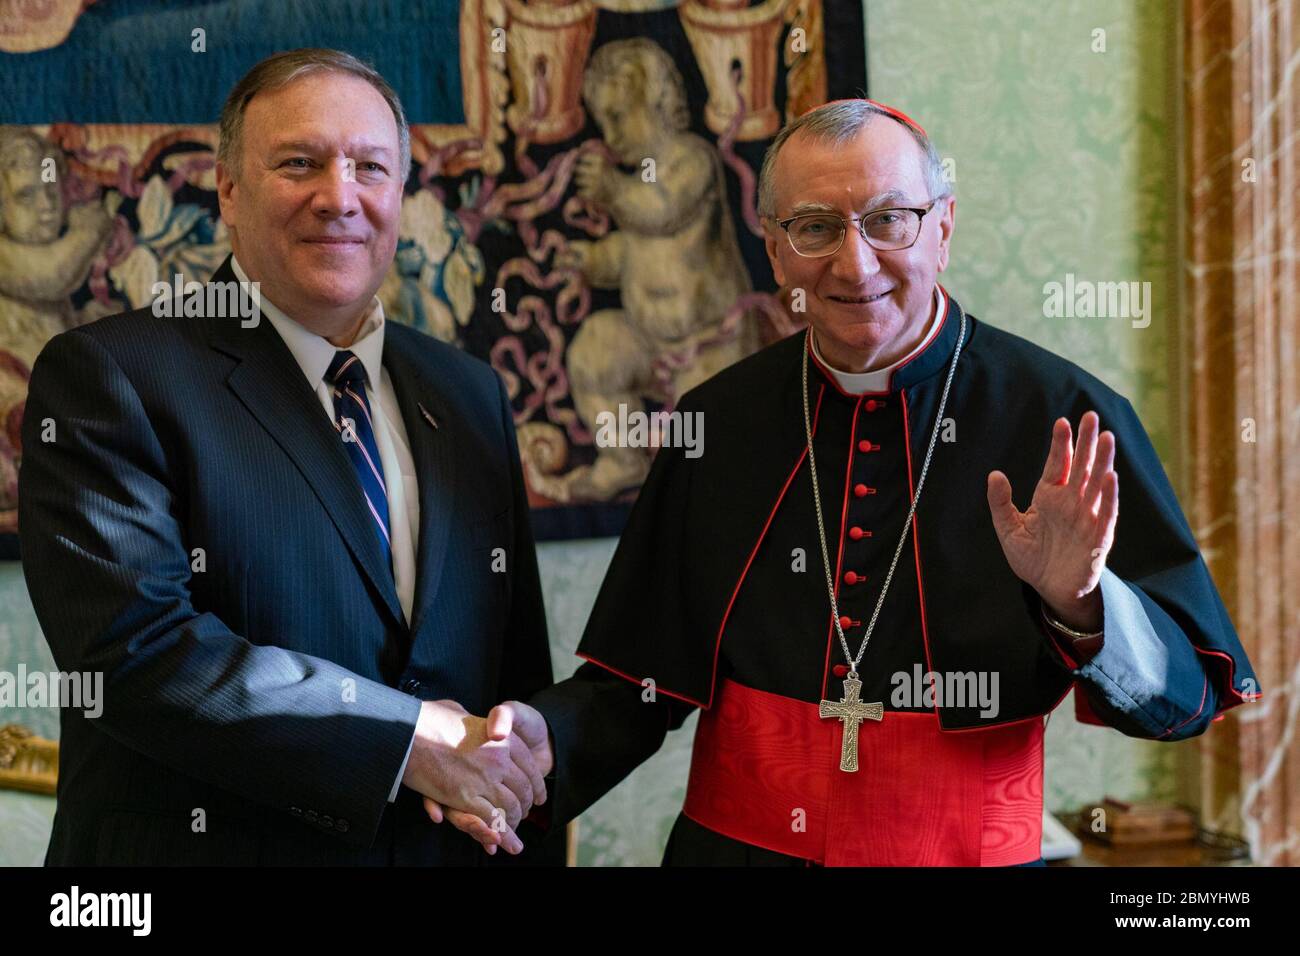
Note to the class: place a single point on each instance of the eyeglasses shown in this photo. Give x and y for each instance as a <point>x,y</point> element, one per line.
<point>887,230</point>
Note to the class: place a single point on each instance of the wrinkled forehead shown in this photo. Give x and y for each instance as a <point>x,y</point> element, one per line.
<point>320,104</point>
<point>881,166</point>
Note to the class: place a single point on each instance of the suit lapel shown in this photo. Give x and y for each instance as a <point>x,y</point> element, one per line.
<point>271,386</point>
<point>432,432</point>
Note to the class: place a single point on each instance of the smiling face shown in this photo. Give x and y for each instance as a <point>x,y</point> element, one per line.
<point>881,167</point>
<point>316,232</point>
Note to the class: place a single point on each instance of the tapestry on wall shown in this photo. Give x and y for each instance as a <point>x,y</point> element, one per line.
<point>580,211</point>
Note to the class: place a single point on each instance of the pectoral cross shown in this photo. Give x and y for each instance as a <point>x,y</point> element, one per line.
<point>850,711</point>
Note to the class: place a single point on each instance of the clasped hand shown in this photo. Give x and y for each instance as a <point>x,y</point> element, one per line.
<point>482,774</point>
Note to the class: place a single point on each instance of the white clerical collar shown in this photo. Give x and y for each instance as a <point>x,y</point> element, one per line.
<point>313,352</point>
<point>877,380</point>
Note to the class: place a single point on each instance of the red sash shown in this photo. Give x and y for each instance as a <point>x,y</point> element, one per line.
<point>765,771</point>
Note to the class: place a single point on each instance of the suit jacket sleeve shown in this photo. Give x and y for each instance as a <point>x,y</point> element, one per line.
<point>1170,661</point>
<point>604,722</point>
<point>108,567</point>
<point>604,726</point>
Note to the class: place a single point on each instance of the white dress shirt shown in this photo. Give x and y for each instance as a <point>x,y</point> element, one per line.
<point>314,354</point>
<point>877,380</point>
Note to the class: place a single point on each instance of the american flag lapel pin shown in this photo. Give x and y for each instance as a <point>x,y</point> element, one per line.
<point>428,416</point>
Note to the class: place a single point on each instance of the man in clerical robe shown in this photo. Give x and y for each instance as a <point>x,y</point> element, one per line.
<point>717,596</point>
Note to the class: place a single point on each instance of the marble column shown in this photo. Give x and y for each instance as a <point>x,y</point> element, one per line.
<point>1241,389</point>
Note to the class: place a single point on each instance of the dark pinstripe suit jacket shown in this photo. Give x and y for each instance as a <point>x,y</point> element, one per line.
<point>269,680</point>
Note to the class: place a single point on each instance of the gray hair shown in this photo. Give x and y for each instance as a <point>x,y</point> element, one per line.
<point>837,123</point>
<point>280,70</point>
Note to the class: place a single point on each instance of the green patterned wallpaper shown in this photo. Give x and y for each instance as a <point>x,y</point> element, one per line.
<point>1065,163</point>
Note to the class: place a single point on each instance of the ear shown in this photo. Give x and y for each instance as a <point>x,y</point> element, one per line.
<point>946,225</point>
<point>225,197</point>
<point>772,240</point>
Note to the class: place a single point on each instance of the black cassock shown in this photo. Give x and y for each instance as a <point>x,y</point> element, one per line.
<point>717,598</point>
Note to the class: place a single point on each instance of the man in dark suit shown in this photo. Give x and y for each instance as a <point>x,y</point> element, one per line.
<point>291,539</point>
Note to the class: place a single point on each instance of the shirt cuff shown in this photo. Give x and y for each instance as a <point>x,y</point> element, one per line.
<point>402,772</point>
<point>1134,648</point>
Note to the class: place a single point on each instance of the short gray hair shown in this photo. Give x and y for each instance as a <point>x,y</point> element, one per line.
<point>280,70</point>
<point>837,123</point>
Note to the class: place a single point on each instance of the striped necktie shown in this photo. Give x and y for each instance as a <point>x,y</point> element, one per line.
<point>347,378</point>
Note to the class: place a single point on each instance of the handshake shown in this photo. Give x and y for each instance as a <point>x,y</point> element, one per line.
<point>483,774</point>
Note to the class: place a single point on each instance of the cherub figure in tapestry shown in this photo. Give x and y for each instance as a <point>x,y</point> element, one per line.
<point>46,252</point>
<point>673,257</point>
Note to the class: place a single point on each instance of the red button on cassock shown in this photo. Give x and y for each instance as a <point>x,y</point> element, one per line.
<point>860,491</point>
<point>872,404</point>
<point>852,577</point>
<point>845,622</point>
<point>857,534</point>
<point>840,670</point>
<point>865,446</point>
